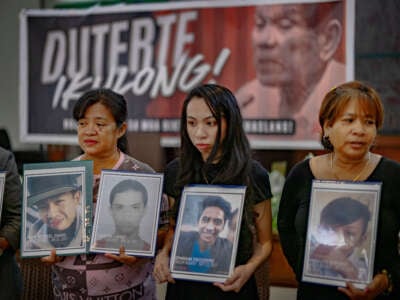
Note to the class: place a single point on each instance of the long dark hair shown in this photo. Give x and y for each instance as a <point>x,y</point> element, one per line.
<point>236,153</point>
<point>113,101</point>
<point>234,161</point>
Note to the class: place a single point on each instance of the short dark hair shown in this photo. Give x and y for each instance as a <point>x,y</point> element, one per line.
<point>115,102</point>
<point>336,100</point>
<point>344,211</point>
<point>127,185</point>
<point>217,201</point>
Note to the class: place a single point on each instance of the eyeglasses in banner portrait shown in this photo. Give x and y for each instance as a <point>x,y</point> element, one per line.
<point>127,212</point>
<point>2,184</point>
<point>341,233</point>
<point>57,208</point>
<point>207,232</point>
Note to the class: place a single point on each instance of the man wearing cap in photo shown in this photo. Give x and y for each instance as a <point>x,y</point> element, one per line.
<point>57,200</point>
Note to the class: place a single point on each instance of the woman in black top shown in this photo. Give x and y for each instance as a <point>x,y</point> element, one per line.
<point>350,117</point>
<point>215,150</point>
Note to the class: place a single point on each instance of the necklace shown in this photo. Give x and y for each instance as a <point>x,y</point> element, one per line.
<point>359,174</point>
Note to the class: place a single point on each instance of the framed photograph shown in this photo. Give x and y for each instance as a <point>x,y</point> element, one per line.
<point>341,232</point>
<point>127,212</point>
<point>207,232</point>
<point>2,184</point>
<point>57,208</point>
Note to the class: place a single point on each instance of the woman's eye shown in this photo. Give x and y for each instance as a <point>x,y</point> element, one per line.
<point>348,120</point>
<point>370,122</point>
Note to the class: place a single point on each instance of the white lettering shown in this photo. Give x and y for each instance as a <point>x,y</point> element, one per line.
<point>182,37</point>
<point>78,65</point>
<point>165,23</point>
<point>54,47</point>
<point>117,46</point>
<point>141,48</point>
<point>99,34</point>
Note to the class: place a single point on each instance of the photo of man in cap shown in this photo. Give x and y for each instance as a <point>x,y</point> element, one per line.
<point>56,199</point>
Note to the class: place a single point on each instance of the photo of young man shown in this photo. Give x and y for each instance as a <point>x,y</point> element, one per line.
<point>337,246</point>
<point>204,250</point>
<point>128,203</point>
<point>56,200</point>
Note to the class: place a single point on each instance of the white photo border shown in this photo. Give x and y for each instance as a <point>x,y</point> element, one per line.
<point>365,192</point>
<point>229,193</point>
<point>84,169</point>
<point>153,183</point>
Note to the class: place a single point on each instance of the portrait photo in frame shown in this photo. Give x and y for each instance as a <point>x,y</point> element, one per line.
<point>127,212</point>
<point>341,233</point>
<point>2,184</point>
<point>207,232</point>
<point>57,208</point>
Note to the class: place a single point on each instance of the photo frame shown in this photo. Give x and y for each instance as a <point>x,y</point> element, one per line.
<point>127,213</point>
<point>3,175</point>
<point>207,232</point>
<point>57,208</point>
<point>341,233</point>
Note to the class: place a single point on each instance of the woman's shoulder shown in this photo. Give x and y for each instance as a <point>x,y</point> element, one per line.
<point>258,172</point>
<point>131,163</point>
<point>388,166</point>
<point>4,152</point>
<point>301,168</point>
<point>5,156</point>
<point>173,166</point>
<point>258,168</point>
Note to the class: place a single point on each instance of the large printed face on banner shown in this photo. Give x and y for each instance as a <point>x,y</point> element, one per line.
<point>286,48</point>
<point>278,59</point>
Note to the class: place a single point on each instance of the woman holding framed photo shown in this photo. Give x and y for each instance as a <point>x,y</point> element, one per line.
<point>101,115</point>
<point>350,116</point>
<point>215,151</point>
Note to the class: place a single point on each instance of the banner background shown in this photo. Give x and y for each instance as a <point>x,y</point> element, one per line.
<point>214,44</point>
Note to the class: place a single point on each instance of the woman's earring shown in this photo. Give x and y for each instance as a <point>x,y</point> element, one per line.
<point>327,141</point>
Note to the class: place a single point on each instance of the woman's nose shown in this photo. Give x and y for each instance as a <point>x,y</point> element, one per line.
<point>91,128</point>
<point>200,132</point>
<point>358,126</point>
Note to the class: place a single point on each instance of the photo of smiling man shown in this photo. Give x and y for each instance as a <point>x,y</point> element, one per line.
<point>205,250</point>
<point>54,206</point>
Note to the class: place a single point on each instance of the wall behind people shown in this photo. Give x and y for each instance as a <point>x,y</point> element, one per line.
<point>9,35</point>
